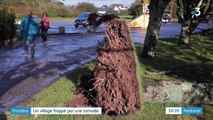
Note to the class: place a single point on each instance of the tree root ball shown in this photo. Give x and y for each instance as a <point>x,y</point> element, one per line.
<point>115,85</point>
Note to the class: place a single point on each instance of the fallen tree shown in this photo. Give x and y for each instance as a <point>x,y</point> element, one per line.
<point>115,85</point>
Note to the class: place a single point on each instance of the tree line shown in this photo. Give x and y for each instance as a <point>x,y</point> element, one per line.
<point>190,14</point>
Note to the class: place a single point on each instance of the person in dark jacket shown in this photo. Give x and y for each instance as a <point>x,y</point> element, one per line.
<point>45,22</point>
<point>29,28</point>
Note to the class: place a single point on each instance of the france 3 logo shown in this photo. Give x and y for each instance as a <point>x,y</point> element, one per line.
<point>196,12</point>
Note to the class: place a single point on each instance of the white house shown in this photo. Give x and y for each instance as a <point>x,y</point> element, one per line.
<point>119,8</point>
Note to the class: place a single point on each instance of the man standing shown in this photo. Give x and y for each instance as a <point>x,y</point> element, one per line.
<point>45,22</point>
<point>29,28</point>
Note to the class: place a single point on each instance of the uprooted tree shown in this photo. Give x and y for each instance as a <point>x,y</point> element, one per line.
<point>156,10</point>
<point>191,13</point>
<point>115,85</point>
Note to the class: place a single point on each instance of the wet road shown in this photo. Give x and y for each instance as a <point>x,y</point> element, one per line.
<point>58,44</point>
<point>20,76</point>
<point>70,28</point>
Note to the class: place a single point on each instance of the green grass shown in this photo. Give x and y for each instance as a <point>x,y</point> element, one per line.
<point>186,63</point>
<point>126,18</point>
<point>57,94</point>
<point>174,20</point>
<point>168,56</point>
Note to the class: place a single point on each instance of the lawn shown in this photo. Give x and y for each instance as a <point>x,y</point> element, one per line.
<point>126,18</point>
<point>183,63</point>
<point>194,62</point>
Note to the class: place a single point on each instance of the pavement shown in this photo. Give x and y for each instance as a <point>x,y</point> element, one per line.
<point>22,77</point>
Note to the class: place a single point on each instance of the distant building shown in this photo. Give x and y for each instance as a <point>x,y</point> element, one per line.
<point>103,9</point>
<point>145,8</point>
<point>118,7</point>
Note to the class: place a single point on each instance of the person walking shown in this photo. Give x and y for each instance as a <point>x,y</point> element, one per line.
<point>29,28</point>
<point>45,22</point>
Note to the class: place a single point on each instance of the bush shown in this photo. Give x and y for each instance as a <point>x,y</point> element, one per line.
<point>135,10</point>
<point>7,26</point>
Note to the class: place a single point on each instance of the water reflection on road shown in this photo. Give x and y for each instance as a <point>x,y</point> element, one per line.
<point>70,28</point>
<point>57,48</point>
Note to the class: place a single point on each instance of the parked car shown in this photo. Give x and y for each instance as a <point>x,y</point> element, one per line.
<point>82,19</point>
<point>166,16</point>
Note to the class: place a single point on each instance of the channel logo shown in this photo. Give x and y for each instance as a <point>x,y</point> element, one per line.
<point>196,12</point>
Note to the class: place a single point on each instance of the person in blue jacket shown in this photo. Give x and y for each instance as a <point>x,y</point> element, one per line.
<point>29,29</point>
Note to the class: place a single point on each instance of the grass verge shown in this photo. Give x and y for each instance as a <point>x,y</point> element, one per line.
<point>198,57</point>
<point>181,63</point>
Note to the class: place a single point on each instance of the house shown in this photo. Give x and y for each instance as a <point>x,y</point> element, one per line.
<point>118,7</point>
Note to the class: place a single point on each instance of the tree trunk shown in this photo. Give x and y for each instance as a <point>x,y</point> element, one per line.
<point>156,8</point>
<point>188,23</point>
<point>185,33</point>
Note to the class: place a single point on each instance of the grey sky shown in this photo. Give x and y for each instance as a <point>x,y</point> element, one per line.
<point>99,3</point>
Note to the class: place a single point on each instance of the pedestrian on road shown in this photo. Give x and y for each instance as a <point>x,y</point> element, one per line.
<point>29,28</point>
<point>45,22</point>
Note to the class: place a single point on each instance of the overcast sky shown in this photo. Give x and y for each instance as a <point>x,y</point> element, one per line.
<point>99,3</point>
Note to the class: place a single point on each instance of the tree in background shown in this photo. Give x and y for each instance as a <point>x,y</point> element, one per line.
<point>136,8</point>
<point>52,7</point>
<point>156,10</point>
<point>86,7</point>
<point>188,16</point>
<point>7,26</point>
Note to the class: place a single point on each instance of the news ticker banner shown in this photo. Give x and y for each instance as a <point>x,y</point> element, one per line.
<point>184,110</point>
<point>94,110</point>
<point>56,110</point>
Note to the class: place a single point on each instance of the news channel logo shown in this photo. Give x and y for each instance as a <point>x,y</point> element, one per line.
<point>196,12</point>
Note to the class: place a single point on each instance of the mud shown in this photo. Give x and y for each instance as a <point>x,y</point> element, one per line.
<point>115,86</point>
